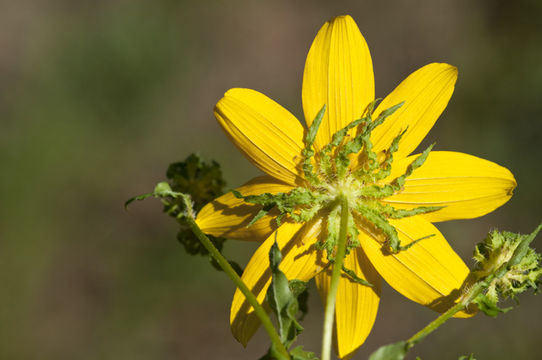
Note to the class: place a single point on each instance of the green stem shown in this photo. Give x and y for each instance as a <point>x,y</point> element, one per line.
<point>225,265</point>
<point>329,314</point>
<point>462,304</point>
<point>420,335</point>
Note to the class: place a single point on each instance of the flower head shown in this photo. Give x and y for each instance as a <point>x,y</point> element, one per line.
<point>356,149</point>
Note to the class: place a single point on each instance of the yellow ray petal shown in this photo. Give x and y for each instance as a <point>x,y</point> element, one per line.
<point>339,74</point>
<point>467,185</point>
<point>429,273</point>
<point>299,262</point>
<point>426,93</point>
<point>228,216</point>
<point>266,133</point>
<point>357,304</point>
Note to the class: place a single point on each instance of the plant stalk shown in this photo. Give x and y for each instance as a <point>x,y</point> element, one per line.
<point>329,315</point>
<point>225,265</point>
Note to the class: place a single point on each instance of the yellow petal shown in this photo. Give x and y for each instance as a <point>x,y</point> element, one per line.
<point>466,185</point>
<point>299,262</point>
<point>228,216</point>
<point>339,74</point>
<point>426,93</point>
<point>356,305</point>
<point>429,273</point>
<point>266,133</point>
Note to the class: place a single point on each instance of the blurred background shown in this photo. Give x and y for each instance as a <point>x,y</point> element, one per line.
<point>98,97</point>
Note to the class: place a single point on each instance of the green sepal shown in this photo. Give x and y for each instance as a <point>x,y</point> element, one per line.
<point>392,213</point>
<point>258,216</point>
<point>362,140</point>
<point>398,183</point>
<point>299,198</point>
<point>523,248</point>
<point>352,275</point>
<point>396,351</point>
<point>389,111</point>
<point>308,151</point>
<point>313,129</point>
<point>378,220</point>
<point>489,306</point>
<point>385,166</point>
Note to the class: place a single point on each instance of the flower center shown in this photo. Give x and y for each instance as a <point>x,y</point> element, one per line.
<point>346,167</point>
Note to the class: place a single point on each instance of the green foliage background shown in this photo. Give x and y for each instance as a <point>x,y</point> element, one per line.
<point>98,97</point>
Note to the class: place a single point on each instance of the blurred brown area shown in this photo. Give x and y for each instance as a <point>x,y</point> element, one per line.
<point>98,97</point>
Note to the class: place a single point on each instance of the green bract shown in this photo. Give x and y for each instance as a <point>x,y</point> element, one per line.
<point>329,175</point>
<point>508,266</point>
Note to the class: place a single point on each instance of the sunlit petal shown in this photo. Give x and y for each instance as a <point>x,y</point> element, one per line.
<point>426,93</point>
<point>356,305</point>
<point>266,133</point>
<point>339,74</point>
<point>466,185</point>
<point>429,273</point>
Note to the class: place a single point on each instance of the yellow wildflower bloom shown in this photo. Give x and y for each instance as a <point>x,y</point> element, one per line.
<point>339,74</point>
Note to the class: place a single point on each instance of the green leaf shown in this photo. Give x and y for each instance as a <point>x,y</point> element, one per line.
<point>395,351</point>
<point>299,354</point>
<point>281,299</point>
<point>161,190</point>
<point>300,289</point>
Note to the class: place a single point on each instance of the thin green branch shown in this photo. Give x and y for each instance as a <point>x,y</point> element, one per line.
<point>466,299</point>
<point>225,265</point>
<point>329,314</point>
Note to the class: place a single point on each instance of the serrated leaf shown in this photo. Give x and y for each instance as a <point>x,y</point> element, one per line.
<point>395,351</point>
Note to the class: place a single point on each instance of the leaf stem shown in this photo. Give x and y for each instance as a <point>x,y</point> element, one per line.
<point>225,265</point>
<point>329,314</point>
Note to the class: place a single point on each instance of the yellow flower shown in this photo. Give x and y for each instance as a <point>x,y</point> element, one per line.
<point>339,74</point>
